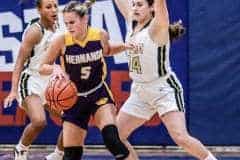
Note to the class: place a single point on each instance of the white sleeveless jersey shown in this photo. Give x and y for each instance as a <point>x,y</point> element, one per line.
<point>39,51</point>
<point>151,61</point>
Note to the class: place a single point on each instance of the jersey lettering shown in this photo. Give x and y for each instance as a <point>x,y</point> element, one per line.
<point>135,65</point>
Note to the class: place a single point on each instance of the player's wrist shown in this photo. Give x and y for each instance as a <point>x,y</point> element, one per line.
<point>56,68</point>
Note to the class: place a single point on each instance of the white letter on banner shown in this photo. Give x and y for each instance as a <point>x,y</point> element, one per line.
<point>30,14</point>
<point>106,9</point>
<point>9,43</point>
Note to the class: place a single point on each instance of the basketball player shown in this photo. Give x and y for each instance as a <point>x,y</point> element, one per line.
<point>155,87</point>
<point>82,49</point>
<point>27,85</point>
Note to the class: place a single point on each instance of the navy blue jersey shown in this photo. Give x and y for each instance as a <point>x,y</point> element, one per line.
<point>84,61</point>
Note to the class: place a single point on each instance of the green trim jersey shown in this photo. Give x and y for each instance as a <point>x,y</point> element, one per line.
<point>155,87</point>
<point>151,61</point>
<point>39,51</point>
<point>31,82</point>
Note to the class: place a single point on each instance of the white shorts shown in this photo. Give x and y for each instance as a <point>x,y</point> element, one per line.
<point>29,85</point>
<point>161,96</point>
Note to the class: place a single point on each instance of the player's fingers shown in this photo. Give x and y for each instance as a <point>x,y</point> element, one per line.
<point>132,46</point>
<point>66,76</point>
<point>53,77</point>
<point>7,102</point>
<point>62,75</point>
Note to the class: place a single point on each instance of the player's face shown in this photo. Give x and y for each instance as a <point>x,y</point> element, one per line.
<point>141,10</point>
<point>75,24</point>
<point>48,10</point>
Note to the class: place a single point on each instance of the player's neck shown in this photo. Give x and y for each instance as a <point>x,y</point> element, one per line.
<point>48,25</point>
<point>83,35</point>
<point>141,25</point>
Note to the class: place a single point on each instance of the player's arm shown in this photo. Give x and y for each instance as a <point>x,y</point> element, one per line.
<point>31,37</point>
<point>125,8</point>
<point>47,66</point>
<point>160,24</point>
<point>112,48</point>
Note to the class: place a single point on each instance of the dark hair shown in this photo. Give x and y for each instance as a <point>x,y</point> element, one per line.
<point>150,2</point>
<point>80,8</point>
<point>38,3</point>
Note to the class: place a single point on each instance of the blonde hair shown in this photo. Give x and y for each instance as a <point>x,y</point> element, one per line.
<point>80,8</point>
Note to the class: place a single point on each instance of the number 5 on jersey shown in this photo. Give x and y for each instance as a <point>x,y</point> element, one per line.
<point>85,72</point>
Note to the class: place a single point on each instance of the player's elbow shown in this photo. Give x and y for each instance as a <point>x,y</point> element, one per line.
<point>107,51</point>
<point>42,69</point>
<point>163,26</point>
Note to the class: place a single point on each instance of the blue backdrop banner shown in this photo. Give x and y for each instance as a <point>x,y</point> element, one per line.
<point>213,71</point>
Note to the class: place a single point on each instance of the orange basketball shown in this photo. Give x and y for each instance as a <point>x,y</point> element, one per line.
<point>61,94</point>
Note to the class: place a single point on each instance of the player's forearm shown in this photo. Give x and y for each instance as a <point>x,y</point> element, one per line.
<point>15,80</point>
<point>17,72</point>
<point>161,13</point>
<point>116,48</point>
<point>124,8</point>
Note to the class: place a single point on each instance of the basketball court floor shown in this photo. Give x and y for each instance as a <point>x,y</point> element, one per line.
<point>148,153</point>
<point>40,156</point>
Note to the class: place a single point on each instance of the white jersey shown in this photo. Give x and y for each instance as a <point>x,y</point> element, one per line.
<point>31,82</point>
<point>155,88</point>
<point>151,61</point>
<point>39,50</point>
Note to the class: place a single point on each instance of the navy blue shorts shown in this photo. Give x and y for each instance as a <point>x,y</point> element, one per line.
<point>86,106</point>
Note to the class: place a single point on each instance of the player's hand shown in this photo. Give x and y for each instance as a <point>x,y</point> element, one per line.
<point>9,99</point>
<point>58,73</point>
<point>132,47</point>
<point>54,110</point>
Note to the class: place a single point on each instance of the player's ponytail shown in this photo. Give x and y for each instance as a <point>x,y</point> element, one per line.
<point>176,30</point>
<point>82,9</point>
<point>89,3</point>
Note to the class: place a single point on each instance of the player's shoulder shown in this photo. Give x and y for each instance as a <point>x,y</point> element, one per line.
<point>35,25</point>
<point>34,20</point>
<point>33,29</point>
<point>68,40</point>
<point>94,33</point>
<point>98,33</point>
<point>94,30</point>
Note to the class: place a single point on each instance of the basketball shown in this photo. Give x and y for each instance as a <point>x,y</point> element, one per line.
<point>61,94</point>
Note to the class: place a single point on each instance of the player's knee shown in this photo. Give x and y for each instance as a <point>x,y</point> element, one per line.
<point>123,135</point>
<point>181,138</point>
<point>39,124</point>
<point>113,142</point>
<point>73,153</point>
